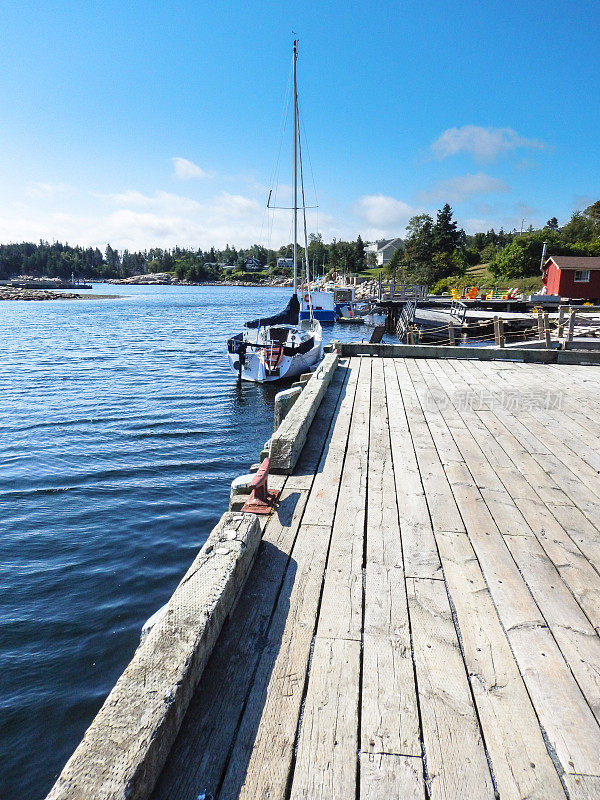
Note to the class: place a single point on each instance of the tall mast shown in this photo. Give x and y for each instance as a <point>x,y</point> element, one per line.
<point>295,171</point>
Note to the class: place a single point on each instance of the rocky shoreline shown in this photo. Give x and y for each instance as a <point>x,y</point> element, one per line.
<point>12,293</point>
<point>166,279</point>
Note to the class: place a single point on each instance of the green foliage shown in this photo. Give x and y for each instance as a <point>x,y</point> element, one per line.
<point>395,266</point>
<point>359,254</point>
<point>434,250</point>
<point>522,257</point>
<point>582,227</point>
<point>518,258</point>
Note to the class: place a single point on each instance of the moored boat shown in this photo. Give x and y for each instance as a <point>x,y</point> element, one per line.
<point>284,345</point>
<point>276,347</point>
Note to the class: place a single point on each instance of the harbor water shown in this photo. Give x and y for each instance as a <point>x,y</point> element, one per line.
<point>121,428</point>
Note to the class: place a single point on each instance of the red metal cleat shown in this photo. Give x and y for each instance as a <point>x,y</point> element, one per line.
<point>261,500</point>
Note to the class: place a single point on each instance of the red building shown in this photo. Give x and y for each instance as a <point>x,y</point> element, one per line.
<point>576,277</point>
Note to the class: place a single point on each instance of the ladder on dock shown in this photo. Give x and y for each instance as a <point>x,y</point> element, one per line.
<point>406,319</point>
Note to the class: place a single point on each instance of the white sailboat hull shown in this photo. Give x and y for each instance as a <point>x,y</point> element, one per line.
<point>290,366</point>
<point>254,359</point>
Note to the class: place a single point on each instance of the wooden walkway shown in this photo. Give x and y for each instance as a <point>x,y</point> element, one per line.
<point>423,617</point>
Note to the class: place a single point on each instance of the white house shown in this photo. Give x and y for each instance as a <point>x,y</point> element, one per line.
<point>384,249</point>
<point>285,263</point>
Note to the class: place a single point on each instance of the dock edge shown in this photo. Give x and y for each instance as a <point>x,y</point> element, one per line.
<point>289,438</point>
<point>125,747</point>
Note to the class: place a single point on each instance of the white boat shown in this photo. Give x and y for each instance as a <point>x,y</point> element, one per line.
<point>280,346</point>
<point>274,352</point>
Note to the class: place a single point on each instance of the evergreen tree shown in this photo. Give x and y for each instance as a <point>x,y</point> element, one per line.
<point>446,235</point>
<point>113,260</point>
<point>419,242</point>
<point>396,266</point>
<point>360,254</point>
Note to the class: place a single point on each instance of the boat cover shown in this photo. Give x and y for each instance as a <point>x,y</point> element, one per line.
<point>289,316</point>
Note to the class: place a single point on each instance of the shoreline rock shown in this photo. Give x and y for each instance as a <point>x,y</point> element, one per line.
<point>166,279</point>
<point>11,293</point>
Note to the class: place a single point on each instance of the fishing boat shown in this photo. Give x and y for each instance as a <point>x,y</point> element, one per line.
<point>327,305</point>
<point>281,346</point>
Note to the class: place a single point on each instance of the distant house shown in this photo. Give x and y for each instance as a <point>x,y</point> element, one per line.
<point>252,264</point>
<point>285,263</point>
<point>384,249</point>
<point>573,276</point>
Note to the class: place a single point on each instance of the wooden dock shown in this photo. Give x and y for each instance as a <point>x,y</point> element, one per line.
<point>422,620</point>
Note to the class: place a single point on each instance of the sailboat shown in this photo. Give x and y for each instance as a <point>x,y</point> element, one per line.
<point>278,347</point>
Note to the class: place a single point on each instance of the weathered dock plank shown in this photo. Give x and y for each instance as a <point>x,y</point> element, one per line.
<point>390,777</point>
<point>341,606</point>
<point>325,766</point>
<point>421,559</point>
<point>389,711</point>
<point>558,699</point>
<point>262,755</point>
<point>456,762</point>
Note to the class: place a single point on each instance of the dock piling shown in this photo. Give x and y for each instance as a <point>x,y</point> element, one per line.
<point>499,331</point>
<point>547,330</point>
<point>572,316</point>
<point>561,321</point>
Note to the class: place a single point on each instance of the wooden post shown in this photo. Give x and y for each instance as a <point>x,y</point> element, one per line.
<point>451,336</point>
<point>500,332</point>
<point>561,322</point>
<point>540,324</point>
<point>380,287</point>
<point>547,331</point>
<point>496,331</point>
<point>572,316</point>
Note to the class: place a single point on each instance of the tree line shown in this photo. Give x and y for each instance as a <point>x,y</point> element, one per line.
<point>437,250</point>
<point>434,251</point>
<point>59,260</point>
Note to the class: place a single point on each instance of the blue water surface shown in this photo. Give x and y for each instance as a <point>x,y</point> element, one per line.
<point>121,428</point>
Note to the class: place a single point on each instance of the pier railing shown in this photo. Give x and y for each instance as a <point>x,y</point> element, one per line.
<point>458,309</point>
<point>401,291</point>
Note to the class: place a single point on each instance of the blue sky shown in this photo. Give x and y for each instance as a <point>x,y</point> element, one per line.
<point>148,124</point>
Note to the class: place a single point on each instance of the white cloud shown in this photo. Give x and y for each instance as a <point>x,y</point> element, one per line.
<point>484,144</point>
<point>384,215</point>
<point>136,219</point>
<point>461,187</point>
<point>186,170</point>
<point>234,206</point>
<point>160,201</point>
<point>41,190</point>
